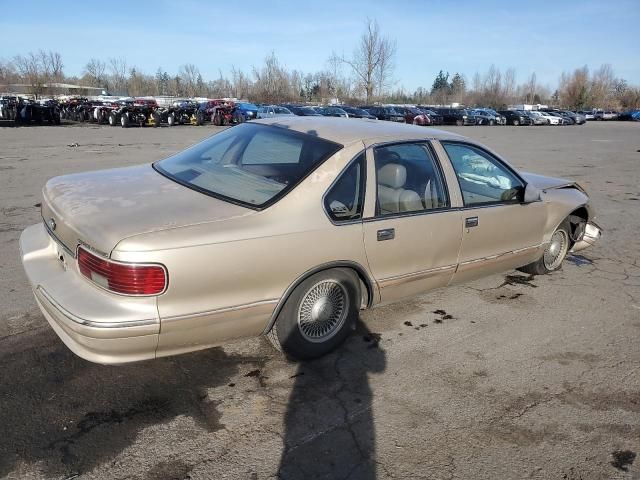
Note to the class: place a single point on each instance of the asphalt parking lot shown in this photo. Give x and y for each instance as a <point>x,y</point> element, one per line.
<point>509,377</point>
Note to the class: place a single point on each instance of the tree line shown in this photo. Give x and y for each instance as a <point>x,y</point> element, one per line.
<point>365,76</point>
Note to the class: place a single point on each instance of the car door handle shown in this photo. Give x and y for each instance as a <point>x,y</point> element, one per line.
<point>470,222</point>
<point>386,234</point>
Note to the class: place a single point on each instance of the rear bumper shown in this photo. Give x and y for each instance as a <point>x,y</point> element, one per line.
<point>96,325</point>
<point>592,234</point>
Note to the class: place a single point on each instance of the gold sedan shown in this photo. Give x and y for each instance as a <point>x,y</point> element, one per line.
<point>285,227</point>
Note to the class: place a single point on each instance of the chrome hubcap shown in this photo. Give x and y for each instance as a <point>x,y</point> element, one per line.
<point>556,251</point>
<point>323,311</point>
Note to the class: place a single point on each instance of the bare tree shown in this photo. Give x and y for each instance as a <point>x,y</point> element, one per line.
<point>95,72</point>
<point>118,67</point>
<point>573,89</point>
<point>373,60</point>
<point>30,70</point>
<point>51,65</point>
<point>509,85</point>
<point>272,81</point>
<point>602,86</point>
<point>530,88</point>
<point>241,84</point>
<point>189,75</point>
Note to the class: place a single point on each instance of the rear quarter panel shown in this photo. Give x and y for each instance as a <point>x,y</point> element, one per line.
<point>226,278</point>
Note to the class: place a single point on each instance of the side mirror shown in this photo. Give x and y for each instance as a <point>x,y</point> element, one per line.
<point>531,194</point>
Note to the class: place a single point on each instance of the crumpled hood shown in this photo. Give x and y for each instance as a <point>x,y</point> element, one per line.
<point>102,208</point>
<point>545,183</point>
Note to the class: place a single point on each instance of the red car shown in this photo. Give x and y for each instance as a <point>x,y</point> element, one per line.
<point>414,116</point>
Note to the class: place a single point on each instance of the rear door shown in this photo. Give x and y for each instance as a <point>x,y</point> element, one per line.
<point>411,233</point>
<point>499,232</point>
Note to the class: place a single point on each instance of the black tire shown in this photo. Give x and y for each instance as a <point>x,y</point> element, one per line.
<point>334,293</point>
<point>156,119</point>
<point>516,123</point>
<point>113,119</point>
<point>492,123</point>
<point>459,122</point>
<point>171,119</point>
<point>124,120</point>
<point>542,266</point>
<point>199,118</point>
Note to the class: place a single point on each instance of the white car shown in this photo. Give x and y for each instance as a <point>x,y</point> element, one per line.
<point>551,119</point>
<point>272,111</point>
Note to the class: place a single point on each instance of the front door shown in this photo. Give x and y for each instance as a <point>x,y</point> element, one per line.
<point>499,232</point>
<point>412,238</point>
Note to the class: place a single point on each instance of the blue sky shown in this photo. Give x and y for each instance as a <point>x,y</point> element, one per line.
<point>463,36</point>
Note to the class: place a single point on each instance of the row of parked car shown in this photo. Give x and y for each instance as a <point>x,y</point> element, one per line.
<point>146,111</point>
<point>125,112</point>
<point>427,116</point>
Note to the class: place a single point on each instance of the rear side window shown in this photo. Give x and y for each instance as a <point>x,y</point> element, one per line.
<point>344,200</point>
<point>408,179</point>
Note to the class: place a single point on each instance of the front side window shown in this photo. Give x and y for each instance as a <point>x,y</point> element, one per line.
<point>483,179</point>
<point>345,199</point>
<point>409,179</point>
<point>250,164</point>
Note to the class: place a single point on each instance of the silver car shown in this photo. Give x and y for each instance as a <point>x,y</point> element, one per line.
<point>272,111</point>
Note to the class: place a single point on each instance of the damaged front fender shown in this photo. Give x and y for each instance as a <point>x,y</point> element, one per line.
<point>592,233</point>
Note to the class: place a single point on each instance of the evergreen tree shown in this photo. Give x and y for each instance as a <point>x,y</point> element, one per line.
<point>440,83</point>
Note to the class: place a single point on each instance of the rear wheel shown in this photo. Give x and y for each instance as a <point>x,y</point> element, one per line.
<point>112,119</point>
<point>459,122</point>
<point>171,119</point>
<point>318,315</point>
<point>124,120</point>
<point>554,254</point>
<point>156,119</point>
<point>516,123</point>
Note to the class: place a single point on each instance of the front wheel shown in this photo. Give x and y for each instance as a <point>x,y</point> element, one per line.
<point>318,315</point>
<point>459,122</point>
<point>516,123</point>
<point>554,253</point>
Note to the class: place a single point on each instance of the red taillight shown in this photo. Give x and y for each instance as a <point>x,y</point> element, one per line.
<point>125,278</point>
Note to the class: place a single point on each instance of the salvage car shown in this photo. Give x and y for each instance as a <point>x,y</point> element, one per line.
<point>285,227</point>
<point>355,112</point>
<point>515,117</point>
<point>274,111</point>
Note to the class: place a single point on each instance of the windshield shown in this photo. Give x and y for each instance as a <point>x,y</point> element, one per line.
<point>250,164</point>
<point>248,106</point>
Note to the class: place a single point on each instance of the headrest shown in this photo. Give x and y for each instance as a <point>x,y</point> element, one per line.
<point>392,175</point>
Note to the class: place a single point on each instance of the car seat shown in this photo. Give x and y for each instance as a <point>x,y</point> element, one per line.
<point>392,197</point>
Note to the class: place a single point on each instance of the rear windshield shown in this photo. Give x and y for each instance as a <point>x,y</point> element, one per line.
<point>250,164</point>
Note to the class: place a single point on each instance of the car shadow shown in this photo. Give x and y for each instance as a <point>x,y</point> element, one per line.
<point>329,430</point>
<point>68,415</point>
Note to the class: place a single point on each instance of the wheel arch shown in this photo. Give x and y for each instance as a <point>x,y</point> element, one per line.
<point>366,287</point>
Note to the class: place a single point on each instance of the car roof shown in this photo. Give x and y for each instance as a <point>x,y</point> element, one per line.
<point>346,131</point>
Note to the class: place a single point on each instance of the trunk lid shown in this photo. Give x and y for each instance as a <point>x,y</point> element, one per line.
<point>99,209</point>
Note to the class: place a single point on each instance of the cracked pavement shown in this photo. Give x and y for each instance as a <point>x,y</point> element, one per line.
<point>508,377</point>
